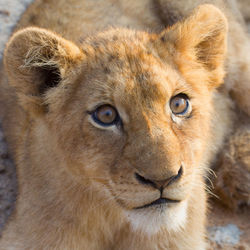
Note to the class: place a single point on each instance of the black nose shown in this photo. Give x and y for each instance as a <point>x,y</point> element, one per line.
<point>159,184</point>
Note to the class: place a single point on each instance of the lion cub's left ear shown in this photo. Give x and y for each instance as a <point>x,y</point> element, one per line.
<point>37,60</point>
<point>198,45</point>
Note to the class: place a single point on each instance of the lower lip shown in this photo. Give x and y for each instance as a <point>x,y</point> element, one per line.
<point>160,201</point>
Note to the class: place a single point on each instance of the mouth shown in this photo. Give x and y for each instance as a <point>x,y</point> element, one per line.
<point>160,201</point>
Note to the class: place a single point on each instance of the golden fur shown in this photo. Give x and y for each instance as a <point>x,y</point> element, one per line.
<point>237,87</point>
<point>77,185</point>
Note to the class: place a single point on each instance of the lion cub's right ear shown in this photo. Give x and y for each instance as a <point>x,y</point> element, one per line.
<point>37,60</point>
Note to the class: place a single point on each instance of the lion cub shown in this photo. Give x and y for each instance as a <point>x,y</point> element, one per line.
<point>112,136</point>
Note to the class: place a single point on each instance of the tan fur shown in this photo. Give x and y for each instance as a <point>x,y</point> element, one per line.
<point>77,185</point>
<point>236,86</point>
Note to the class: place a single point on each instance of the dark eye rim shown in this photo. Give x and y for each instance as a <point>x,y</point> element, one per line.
<point>187,99</point>
<point>93,114</point>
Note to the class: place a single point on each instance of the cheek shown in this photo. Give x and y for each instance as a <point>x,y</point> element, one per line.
<point>87,151</point>
<point>101,148</point>
<point>201,137</point>
<point>98,155</point>
<point>194,139</point>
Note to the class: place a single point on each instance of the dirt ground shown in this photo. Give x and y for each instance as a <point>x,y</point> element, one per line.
<point>220,216</point>
<point>226,229</point>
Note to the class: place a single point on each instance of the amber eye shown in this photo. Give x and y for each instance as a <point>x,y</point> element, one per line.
<point>180,105</point>
<point>105,115</point>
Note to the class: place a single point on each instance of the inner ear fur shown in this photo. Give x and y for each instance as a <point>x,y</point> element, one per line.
<point>37,60</point>
<point>200,42</point>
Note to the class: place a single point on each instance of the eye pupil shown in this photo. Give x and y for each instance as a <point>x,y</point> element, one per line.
<point>177,103</point>
<point>107,113</point>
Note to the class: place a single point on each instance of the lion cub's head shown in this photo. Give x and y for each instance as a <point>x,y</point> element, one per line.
<point>129,112</point>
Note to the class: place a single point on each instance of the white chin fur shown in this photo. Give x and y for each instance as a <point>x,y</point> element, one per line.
<point>151,220</point>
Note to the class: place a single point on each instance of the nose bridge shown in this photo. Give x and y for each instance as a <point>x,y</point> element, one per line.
<point>157,151</point>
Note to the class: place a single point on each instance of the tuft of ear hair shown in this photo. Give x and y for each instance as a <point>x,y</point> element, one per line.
<point>37,60</point>
<point>199,43</point>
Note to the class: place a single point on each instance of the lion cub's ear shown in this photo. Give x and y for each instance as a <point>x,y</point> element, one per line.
<point>37,60</point>
<point>198,44</point>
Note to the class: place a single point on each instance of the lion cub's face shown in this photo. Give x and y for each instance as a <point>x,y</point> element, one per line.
<point>130,112</point>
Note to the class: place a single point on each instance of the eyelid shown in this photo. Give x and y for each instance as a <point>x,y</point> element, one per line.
<point>92,110</point>
<point>112,128</point>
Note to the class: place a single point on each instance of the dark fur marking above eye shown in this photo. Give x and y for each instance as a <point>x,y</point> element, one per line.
<point>115,38</point>
<point>111,58</point>
<point>107,70</point>
<point>142,78</point>
<point>163,39</point>
<point>96,44</point>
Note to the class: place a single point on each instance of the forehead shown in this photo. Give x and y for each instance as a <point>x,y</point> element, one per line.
<point>128,72</point>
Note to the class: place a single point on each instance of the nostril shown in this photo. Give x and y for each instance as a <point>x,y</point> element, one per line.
<point>176,177</point>
<point>143,180</point>
<point>180,172</point>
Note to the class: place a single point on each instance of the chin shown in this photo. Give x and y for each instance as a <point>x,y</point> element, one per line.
<point>151,220</point>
